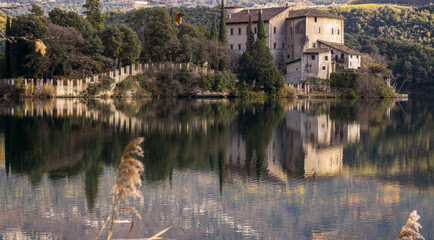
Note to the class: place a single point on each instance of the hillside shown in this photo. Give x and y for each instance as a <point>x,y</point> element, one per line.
<point>389,22</point>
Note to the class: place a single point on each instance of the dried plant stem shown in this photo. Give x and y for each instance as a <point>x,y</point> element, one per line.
<point>105,223</point>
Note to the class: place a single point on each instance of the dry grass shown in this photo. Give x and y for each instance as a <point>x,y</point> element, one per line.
<point>128,178</point>
<point>411,228</point>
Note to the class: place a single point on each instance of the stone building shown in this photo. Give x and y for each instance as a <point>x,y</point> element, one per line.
<point>306,43</point>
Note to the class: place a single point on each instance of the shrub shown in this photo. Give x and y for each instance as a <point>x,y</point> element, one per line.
<point>343,80</point>
<point>287,92</point>
<point>208,82</point>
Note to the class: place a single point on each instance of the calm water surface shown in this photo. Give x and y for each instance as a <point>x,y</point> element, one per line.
<point>219,169</point>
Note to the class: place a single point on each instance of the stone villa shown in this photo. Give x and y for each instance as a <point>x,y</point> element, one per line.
<point>307,43</point>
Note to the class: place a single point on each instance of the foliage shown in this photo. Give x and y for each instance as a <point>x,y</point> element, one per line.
<point>411,63</point>
<point>93,14</point>
<point>104,84</point>
<point>7,70</point>
<point>71,19</point>
<point>158,31</point>
<point>25,60</point>
<point>262,34</point>
<point>343,80</point>
<point>410,24</point>
<point>250,35</point>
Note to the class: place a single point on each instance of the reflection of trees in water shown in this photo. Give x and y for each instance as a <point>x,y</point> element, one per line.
<point>399,149</point>
<point>255,123</point>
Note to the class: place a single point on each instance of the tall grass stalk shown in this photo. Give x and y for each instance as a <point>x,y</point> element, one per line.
<point>128,179</point>
<point>411,228</point>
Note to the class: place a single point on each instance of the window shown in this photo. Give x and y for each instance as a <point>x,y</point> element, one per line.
<point>316,19</point>
<point>332,52</point>
<point>319,30</point>
<point>232,31</point>
<point>332,30</point>
<point>301,30</point>
<point>323,67</point>
<point>326,58</point>
<point>351,56</point>
<point>313,57</point>
<point>255,30</point>
<point>342,56</point>
<point>239,31</point>
<point>283,45</point>
<point>313,44</point>
<point>274,45</point>
<point>274,30</point>
<point>290,31</point>
<point>338,32</point>
<point>232,47</point>
<point>239,46</point>
<point>287,56</point>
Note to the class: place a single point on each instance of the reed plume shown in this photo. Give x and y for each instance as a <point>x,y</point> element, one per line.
<point>128,178</point>
<point>411,228</point>
<point>129,172</point>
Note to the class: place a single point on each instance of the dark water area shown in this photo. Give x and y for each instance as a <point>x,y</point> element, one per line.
<point>220,169</point>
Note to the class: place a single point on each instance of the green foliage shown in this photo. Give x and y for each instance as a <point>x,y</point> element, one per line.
<point>343,80</point>
<point>93,14</point>
<point>410,24</point>
<point>19,83</point>
<point>214,30</point>
<point>71,19</point>
<point>184,76</point>
<point>37,10</point>
<point>262,34</point>
<point>158,31</point>
<point>222,30</point>
<point>208,82</point>
<point>250,35</point>
<point>104,84</point>
<point>25,60</point>
<point>411,63</point>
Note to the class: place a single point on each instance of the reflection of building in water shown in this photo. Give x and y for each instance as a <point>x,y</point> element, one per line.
<point>2,151</point>
<point>303,146</point>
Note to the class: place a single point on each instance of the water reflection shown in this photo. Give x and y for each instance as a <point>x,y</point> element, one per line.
<point>219,168</point>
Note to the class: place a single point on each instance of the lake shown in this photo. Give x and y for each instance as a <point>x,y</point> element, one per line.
<point>219,168</point>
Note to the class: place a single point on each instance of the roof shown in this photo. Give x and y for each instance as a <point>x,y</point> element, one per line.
<point>234,5</point>
<point>341,47</point>
<point>243,16</point>
<point>312,12</point>
<point>293,61</point>
<point>316,50</point>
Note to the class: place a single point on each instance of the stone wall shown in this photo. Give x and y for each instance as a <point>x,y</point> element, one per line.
<point>76,87</point>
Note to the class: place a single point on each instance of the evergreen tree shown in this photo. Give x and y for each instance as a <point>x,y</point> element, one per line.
<point>222,34</point>
<point>262,34</point>
<point>8,50</point>
<point>214,30</point>
<point>93,14</point>
<point>172,15</point>
<point>250,35</point>
<point>223,38</point>
<point>158,32</point>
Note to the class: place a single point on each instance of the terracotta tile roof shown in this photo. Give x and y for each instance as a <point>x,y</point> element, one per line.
<point>234,5</point>
<point>243,16</point>
<point>312,12</point>
<point>341,47</point>
<point>316,50</point>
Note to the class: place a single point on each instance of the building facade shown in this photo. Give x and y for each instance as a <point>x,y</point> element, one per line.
<point>306,43</point>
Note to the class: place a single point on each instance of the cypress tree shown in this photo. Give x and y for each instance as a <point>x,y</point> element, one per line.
<point>250,35</point>
<point>214,30</point>
<point>222,34</point>
<point>172,15</point>
<point>93,14</point>
<point>8,50</point>
<point>262,35</point>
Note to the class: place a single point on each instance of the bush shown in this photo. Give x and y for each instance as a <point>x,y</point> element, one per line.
<point>208,82</point>
<point>287,92</point>
<point>343,80</point>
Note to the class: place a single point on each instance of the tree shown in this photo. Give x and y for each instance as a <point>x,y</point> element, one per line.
<point>250,35</point>
<point>158,31</point>
<point>121,44</point>
<point>223,38</point>
<point>93,14</point>
<point>223,32</point>
<point>262,34</point>
<point>72,19</point>
<point>256,64</point>
<point>23,56</point>
<point>214,30</point>
<point>37,10</point>
<point>8,49</point>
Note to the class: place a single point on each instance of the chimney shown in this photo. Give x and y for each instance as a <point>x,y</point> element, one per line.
<point>287,4</point>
